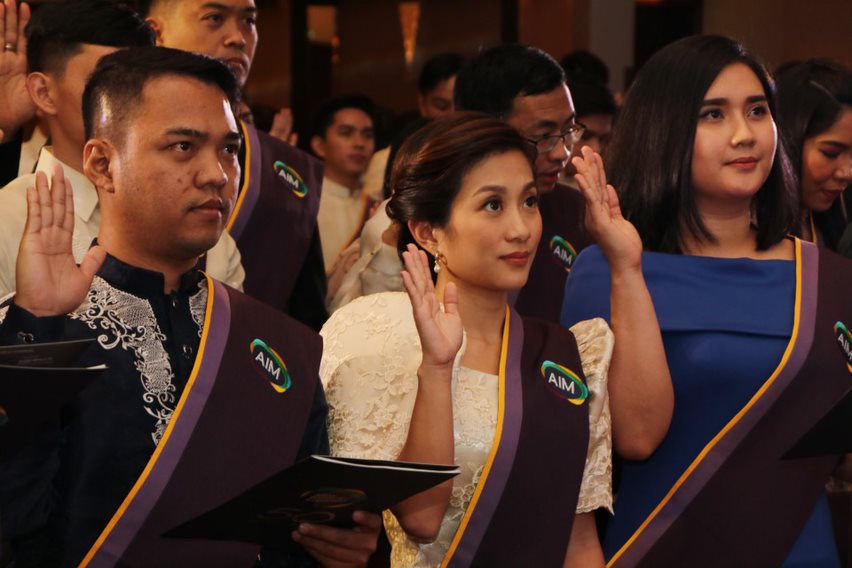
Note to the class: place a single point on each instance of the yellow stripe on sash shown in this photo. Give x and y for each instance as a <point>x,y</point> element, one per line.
<point>501,408</point>
<point>733,422</point>
<point>246,173</point>
<point>166,435</point>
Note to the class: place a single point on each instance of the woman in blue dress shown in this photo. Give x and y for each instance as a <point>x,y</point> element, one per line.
<point>699,171</point>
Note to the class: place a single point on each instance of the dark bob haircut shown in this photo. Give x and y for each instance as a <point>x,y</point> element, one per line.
<point>120,78</point>
<point>438,68</point>
<point>431,165</point>
<point>650,156</point>
<point>811,97</point>
<point>58,30</point>
<point>491,81</point>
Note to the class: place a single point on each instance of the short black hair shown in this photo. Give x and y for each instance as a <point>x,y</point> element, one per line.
<point>591,97</point>
<point>58,30</point>
<point>144,7</point>
<point>438,68</point>
<point>812,95</point>
<point>120,78</point>
<point>585,64</point>
<point>491,81</point>
<point>649,159</point>
<point>324,117</point>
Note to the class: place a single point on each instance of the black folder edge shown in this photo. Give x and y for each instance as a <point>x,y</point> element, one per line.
<point>30,395</point>
<point>407,472</point>
<point>39,355</point>
<point>831,435</point>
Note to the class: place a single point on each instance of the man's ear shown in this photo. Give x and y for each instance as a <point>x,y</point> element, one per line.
<point>156,25</point>
<point>41,90</point>
<point>98,155</point>
<point>426,235</point>
<point>318,146</point>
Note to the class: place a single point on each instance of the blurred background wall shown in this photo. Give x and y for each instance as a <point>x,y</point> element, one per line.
<point>310,50</point>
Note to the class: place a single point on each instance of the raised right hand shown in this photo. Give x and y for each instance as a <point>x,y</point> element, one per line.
<point>440,332</point>
<point>16,106</point>
<point>616,236</point>
<point>49,282</point>
<point>282,127</point>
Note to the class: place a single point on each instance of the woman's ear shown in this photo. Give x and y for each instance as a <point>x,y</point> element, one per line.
<point>425,235</point>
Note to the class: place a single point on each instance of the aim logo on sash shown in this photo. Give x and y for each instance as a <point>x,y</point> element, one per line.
<point>292,178</point>
<point>4,417</point>
<point>844,340</point>
<point>562,252</point>
<point>564,383</point>
<point>270,365</point>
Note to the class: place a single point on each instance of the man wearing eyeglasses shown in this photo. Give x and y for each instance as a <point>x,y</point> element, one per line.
<point>526,88</point>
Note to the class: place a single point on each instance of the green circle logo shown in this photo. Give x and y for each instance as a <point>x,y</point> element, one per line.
<point>269,364</point>
<point>562,252</point>
<point>564,382</point>
<point>292,178</point>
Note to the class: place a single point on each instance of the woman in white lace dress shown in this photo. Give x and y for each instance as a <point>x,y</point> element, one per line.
<point>448,374</point>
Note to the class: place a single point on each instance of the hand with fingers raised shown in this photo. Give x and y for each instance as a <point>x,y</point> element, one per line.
<point>282,127</point>
<point>440,331</point>
<point>616,236</point>
<point>49,281</point>
<point>16,106</point>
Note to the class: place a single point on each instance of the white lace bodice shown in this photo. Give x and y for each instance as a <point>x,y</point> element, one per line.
<point>369,371</point>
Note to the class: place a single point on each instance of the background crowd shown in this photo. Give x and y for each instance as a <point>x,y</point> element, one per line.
<point>617,312</point>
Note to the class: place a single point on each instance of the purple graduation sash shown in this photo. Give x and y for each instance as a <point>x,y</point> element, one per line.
<point>236,423</point>
<point>740,503</point>
<point>524,504</point>
<point>275,216</point>
<point>562,239</point>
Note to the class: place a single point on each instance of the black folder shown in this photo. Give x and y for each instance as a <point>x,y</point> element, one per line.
<point>831,435</point>
<point>319,489</point>
<point>36,380</point>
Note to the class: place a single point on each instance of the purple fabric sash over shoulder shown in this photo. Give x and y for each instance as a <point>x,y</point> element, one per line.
<point>214,449</point>
<point>275,216</point>
<point>743,470</point>
<point>533,423</point>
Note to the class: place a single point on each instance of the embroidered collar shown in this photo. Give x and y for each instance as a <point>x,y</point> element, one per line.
<point>141,282</point>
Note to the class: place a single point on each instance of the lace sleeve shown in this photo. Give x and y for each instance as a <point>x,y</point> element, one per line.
<point>369,371</point>
<point>595,341</point>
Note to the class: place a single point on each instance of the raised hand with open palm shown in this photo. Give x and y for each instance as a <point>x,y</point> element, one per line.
<point>49,281</point>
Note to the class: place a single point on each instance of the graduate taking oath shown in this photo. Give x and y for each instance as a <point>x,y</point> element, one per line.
<point>275,219</point>
<point>181,420</point>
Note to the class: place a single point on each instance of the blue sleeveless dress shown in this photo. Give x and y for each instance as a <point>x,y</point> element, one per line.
<point>725,325</point>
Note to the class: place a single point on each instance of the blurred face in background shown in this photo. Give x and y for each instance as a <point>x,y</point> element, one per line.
<point>827,164</point>
<point>224,29</point>
<point>438,101</point>
<point>347,146</point>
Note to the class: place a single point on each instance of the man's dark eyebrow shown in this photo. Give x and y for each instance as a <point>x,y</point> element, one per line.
<point>550,124</point>
<point>232,135</point>
<point>724,101</point>
<point>226,8</point>
<point>188,132</point>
